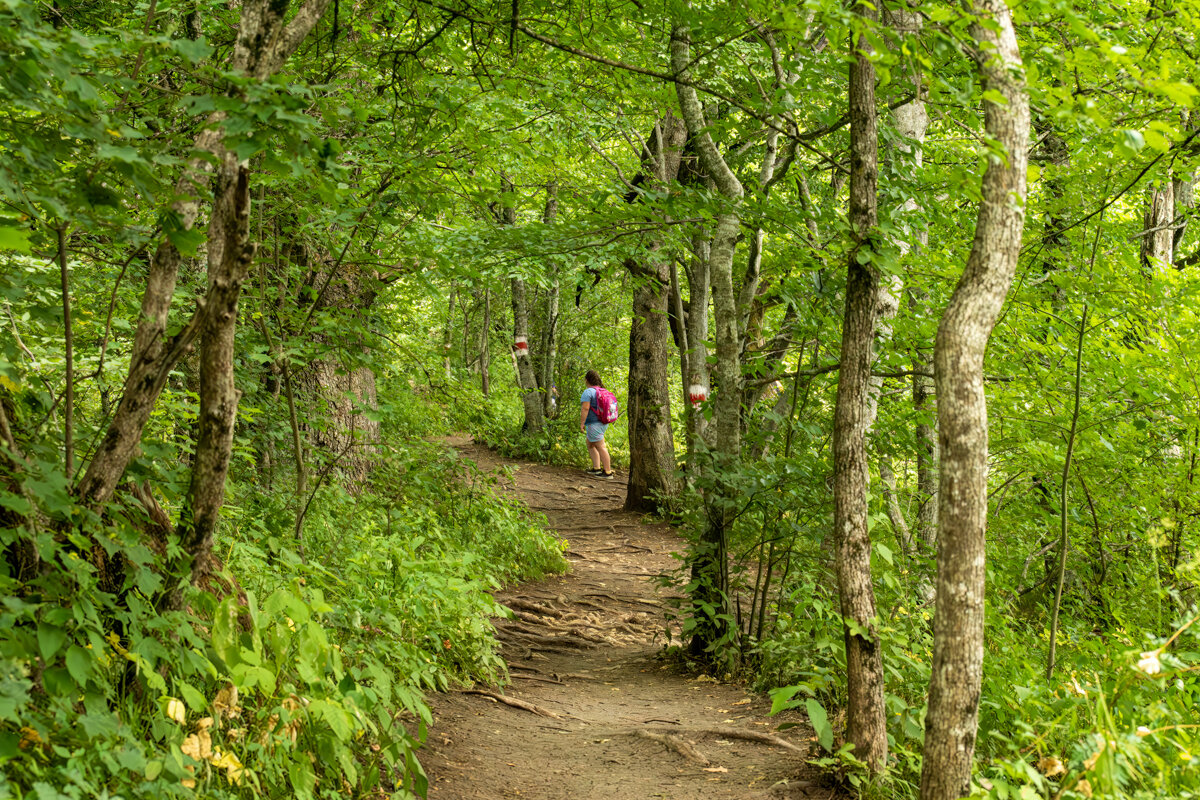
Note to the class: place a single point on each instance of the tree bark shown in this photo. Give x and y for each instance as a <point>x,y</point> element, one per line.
<point>651,442</point>
<point>866,715</point>
<point>710,567</point>
<point>227,269</point>
<point>1157,248</point>
<point>531,398</point>
<point>549,350</point>
<point>953,717</point>
<point>447,335</point>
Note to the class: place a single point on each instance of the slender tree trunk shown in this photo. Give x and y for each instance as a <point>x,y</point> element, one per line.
<point>227,269</point>
<point>531,398</point>
<point>952,720</point>
<point>485,338</point>
<point>1063,516</point>
<point>866,715</point>
<point>695,380</point>
<point>447,335</point>
<point>710,566</point>
<point>1158,245</point>
<point>651,442</point>
<point>550,331</point>
<point>911,121</point>
<point>69,393</point>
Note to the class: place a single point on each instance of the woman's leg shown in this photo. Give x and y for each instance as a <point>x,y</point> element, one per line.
<point>594,453</point>
<point>605,460</point>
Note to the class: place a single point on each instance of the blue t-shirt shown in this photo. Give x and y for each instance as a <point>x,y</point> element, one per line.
<point>589,397</point>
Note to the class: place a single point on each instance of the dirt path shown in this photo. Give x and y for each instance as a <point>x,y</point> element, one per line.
<point>594,715</point>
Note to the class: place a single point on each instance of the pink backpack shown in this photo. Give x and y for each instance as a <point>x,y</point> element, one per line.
<point>606,407</point>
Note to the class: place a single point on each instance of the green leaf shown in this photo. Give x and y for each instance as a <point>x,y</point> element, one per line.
<point>58,682</point>
<point>14,239</point>
<point>192,696</point>
<point>50,639</point>
<point>79,664</point>
<point>194,50</point>
<point>820,723</point>
<point>304,781</point>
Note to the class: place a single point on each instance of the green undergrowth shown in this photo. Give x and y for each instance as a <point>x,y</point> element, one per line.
<point>303,676</point>
<point>1117,720</point>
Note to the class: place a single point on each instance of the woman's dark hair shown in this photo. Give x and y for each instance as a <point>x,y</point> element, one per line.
<point>593,378</point>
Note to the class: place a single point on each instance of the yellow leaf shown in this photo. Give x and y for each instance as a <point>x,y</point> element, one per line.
<point>197,746</point>
<point>226,702</point>
<point>230,763</point>
<point>1051,767</point>
<point>176,710</point>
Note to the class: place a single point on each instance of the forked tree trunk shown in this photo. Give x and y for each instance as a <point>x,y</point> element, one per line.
<point>651,442</point>
<point>866,715</point>
<point>953,716</point>
<point>264,42</point>
<point>710,566</point>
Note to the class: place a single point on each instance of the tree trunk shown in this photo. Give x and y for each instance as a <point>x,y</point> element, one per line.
<point>549,351</point>
<point>695,381</point>
<point>447,335</point>
<point>485,338</point>
<point>710,565</point>
<point>866,714</point>
<point>531,398</point>
<point>1158,239</point>
<point>953,717</point>
<point>227,269</point>
<point>651,442</point>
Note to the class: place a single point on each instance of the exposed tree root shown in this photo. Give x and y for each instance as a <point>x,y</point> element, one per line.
<point>676,745</point>
<point>515,703</point>
<point>521,604</point>
<point>748,736</point>
<point>538,678</point>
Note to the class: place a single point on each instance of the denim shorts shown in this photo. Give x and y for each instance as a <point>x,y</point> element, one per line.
<point>595,431</point>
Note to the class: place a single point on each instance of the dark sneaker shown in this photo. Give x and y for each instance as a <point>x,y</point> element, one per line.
<point>604,474</point>
<point>596,472</point>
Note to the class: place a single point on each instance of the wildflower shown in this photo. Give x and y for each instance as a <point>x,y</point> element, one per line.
<point>1143,731</point>
<point>1149,663</point>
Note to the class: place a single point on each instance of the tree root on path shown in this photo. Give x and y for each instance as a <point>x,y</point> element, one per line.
<point>631,600</point>
<point>520,604</point>
<point>515,703</point>
<point>676,745</point>
<point>537,678</point>
<point>744,735</point>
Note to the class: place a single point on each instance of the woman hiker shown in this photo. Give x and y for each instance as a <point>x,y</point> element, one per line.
<point>590,424</point>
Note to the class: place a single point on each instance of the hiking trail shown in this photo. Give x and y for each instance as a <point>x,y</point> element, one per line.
<point>591,713</point>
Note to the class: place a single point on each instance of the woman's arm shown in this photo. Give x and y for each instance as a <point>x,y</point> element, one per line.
<point>583,415</point>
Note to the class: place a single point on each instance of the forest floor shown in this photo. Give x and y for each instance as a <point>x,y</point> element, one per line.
<point>593,712</point>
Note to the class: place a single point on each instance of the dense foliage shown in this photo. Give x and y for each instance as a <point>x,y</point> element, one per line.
<point>399,221</point>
